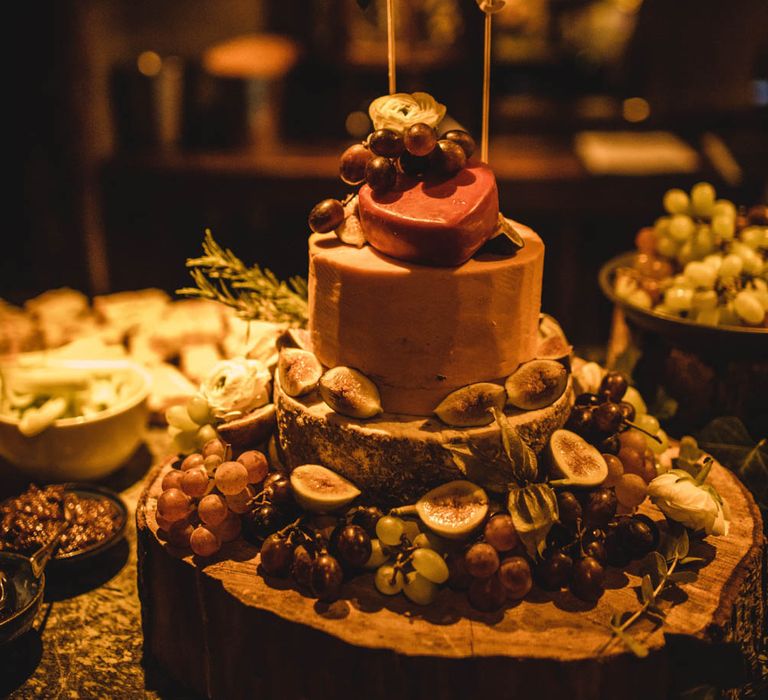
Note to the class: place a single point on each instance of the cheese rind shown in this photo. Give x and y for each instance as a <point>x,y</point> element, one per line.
<point>421,332</point>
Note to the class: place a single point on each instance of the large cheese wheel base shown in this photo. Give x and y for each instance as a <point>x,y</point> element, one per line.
<point>395,459</point>
<point>223,631</point>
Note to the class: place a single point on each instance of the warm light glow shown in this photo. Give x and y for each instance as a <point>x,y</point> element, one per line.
<point>357,124</point>
<point>635,109</point>
<point>149,63</point>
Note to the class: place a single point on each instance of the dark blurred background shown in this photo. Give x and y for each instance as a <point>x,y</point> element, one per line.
<point>141,123</point>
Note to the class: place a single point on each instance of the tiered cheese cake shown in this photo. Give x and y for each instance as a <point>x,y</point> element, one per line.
<point>436,306</point>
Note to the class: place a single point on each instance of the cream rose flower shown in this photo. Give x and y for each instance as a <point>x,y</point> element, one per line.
<point>681,499</point>
<point>235,387</point>
<point>401,110</point>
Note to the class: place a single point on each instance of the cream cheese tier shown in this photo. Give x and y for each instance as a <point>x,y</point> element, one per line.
<point>421,332</point>
<point>395,459</point>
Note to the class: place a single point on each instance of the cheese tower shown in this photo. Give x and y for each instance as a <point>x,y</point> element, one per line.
<point>423,303</point>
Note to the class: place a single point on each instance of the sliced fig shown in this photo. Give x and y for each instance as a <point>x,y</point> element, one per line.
<point>471,405</point>
<point>550,328</point>
<point>295,338</point>
<point>300,371</point>
<point>573,461</point>
<point>320,490</point>
<point>453,510</point>
<point>350,392</point>
<point>536,384</point>
<point>251,429</point>
<point>553,348</point>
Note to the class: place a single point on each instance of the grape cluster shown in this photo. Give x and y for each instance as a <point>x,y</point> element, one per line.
<point>629,439</point>
<point>385,155</point>
<point>704,260</point>
<point>203,497</point>
<point>190,425</point>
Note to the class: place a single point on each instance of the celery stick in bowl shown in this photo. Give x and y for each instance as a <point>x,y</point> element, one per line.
<point>70,419</point>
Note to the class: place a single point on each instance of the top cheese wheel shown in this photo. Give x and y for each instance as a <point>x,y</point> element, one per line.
<point>432,222</point>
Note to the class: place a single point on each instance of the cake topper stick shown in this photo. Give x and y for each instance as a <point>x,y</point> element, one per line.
<point>391,45</point>
<point>489,7</point>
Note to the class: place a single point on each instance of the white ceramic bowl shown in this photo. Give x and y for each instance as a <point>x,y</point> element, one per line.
<point>82,448</point>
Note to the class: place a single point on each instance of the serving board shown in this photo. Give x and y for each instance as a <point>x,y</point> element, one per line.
<point>224,631</point>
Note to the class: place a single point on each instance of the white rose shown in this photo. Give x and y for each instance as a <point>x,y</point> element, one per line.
<point>236,387</point>
<point>588,377</point>
<point>401,110</point>
<point>681,499</point>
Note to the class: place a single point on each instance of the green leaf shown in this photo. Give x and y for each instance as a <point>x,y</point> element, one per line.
<point>682,544</point>
<point>639,649</point>
<point>729,442</point>
<point>692,560</point>
<point>658,564</point>
<point>646,590</point>
<point>682,577</point>
<point>533,510</point>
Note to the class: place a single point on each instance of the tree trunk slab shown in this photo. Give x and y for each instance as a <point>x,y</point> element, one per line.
<point>224,631</point>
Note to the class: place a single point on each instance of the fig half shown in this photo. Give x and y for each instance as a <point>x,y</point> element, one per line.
<point>536,384</point>
<point>349,392</point>
<point>471,405</point>
<point>300,371</point>
<point>573,461</point>
<point>453,510</point>
<point>320,490</point>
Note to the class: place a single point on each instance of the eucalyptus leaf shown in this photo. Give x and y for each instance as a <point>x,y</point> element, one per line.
<point>682,576</point>
<point>646,590</point>
<point>683,544</point>
<point>505,228</point>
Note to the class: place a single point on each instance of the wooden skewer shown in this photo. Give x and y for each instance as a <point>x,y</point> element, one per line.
<point>486,89</point>
<point>391,45</point>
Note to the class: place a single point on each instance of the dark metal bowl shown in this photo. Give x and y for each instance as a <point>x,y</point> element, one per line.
<point>25,598</point>
<point>708,371</point>
<point>733,340</point>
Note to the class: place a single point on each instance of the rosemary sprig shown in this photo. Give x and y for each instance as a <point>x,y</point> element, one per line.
<point>255,293</point>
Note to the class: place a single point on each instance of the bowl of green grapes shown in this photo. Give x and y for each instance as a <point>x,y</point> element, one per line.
<point>691,305</point>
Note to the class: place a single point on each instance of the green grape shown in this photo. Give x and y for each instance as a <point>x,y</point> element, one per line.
<point>647,423</point>
<point>676,201</point>
<point>724,227</point>
<point>700,275</point>
<point>678,298</point>
<point>411,529</point>
<point>667,247</point>
<point>703,199</point>
<point>661,226</point>
<point>728,315</point>
<point>703,242</point>
<point>730,267</point>
<point>658,447</point>
<point>378,555</point>
<point>724,207</point>
<point>430,565</point>
<point>633,396</point>
<point>430,541</point>
<point>640,298</point>
<point>752,236</point>
<point>708,317</point>
<point>715,260</point>
<point>681,228</point>
<point>419,589</point>
<point>389,530</point>
<point>178,417</point>
<point>685,253</point>
<point>205,434</point>
<point>183,440</point>
<point>705,300</point>
<point>748,307</point>
<point>199,410</point>
<point>387,581</point>
<point>753,263</point>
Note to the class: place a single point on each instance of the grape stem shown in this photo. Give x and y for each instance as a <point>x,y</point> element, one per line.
<point>643,430</point>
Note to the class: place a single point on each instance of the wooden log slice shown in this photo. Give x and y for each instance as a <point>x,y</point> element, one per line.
<point>223,630</point>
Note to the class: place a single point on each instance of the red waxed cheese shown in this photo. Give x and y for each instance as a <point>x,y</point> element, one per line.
<point>432,222</point>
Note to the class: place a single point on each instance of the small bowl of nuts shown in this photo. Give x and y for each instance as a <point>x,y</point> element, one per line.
<point>69,420</point>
